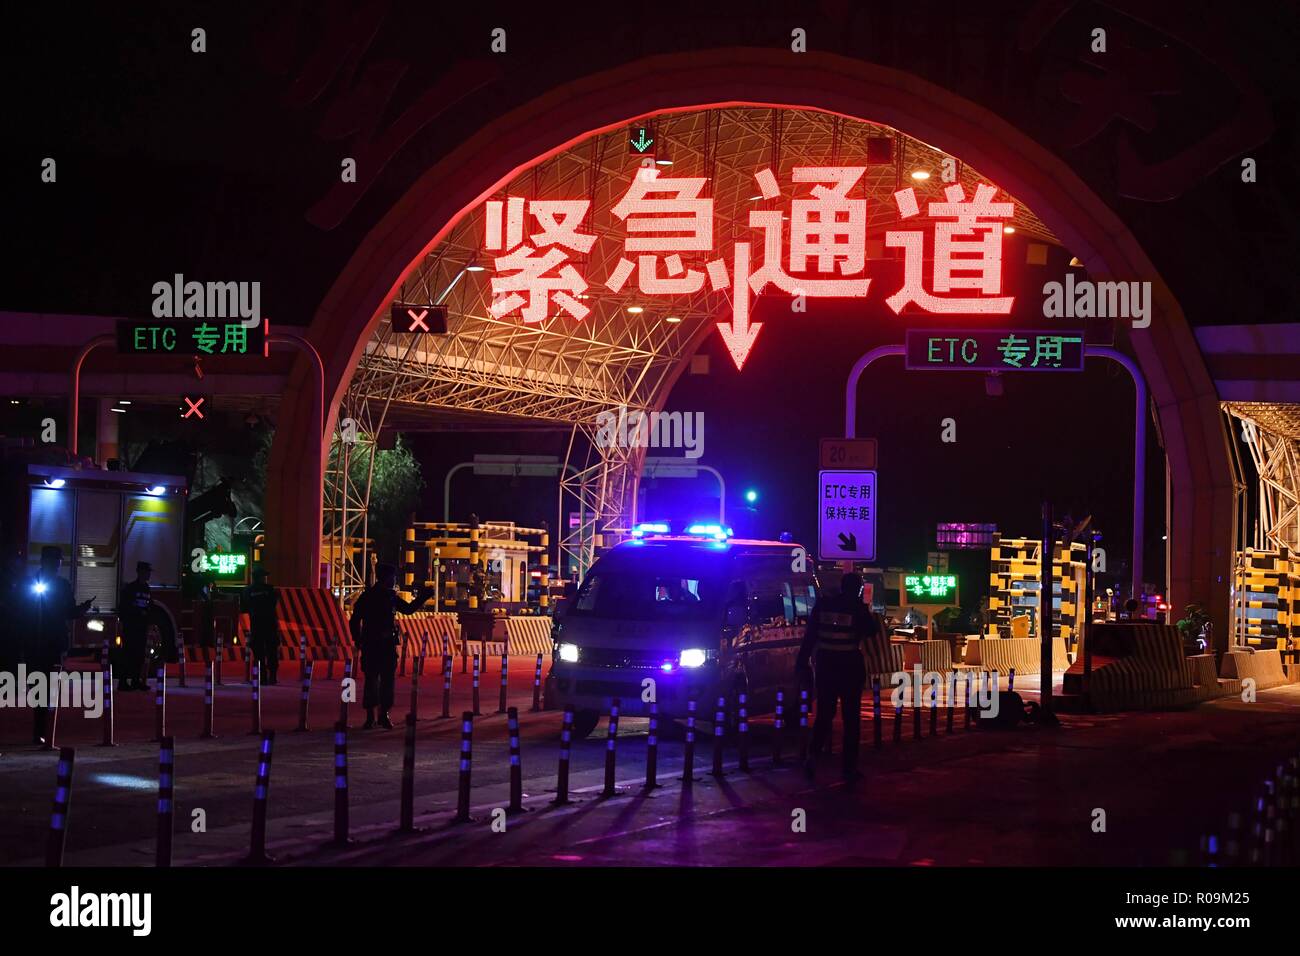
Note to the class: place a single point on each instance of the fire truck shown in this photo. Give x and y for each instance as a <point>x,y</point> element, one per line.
<point>103,522</point>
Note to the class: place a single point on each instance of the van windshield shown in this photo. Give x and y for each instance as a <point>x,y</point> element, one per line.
<point>642,595</point>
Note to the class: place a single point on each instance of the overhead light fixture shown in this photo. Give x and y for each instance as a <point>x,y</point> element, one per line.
<point>1008,230</point>
<point>124,401</point>
<point>119,411</point>
<point>920,174</point>
<point>635,309</point>
<point>1074,261</point>
<point>755,198</point>
<point>674,319</point>
<point>473,267</point>
<point>55,482</point>
<point>156,490</point>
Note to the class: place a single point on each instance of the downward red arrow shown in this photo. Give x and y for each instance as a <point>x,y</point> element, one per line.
<point>739,335</point>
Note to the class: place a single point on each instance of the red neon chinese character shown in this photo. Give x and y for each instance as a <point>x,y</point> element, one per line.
<point>678,222</point>
<point>964,246</point>
<point>829,228</point>
<point>541,277</point>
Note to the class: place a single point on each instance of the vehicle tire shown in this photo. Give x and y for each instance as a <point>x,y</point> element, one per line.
<point>584,722</point>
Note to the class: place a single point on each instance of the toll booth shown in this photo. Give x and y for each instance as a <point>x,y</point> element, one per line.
<point>471,565</point>
<point>1015,588</point>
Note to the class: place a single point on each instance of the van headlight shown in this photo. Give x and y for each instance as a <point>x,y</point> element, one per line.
<point>694,657</point>
<point>569,653</point>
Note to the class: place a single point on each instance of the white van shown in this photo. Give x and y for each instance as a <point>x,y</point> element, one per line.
<point>700,614</point>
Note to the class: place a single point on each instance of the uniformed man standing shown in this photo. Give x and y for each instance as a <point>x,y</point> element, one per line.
<point>134,603</point>
<point>838,628</point>
<point>45,638</point>
<point>259,602</point>
<point>374,630</point>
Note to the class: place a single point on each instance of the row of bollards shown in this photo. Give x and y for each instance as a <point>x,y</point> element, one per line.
<point>1271,839</point>
<point>1268,834</point>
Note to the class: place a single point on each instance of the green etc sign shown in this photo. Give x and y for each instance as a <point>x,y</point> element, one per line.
<point>226,566</point>
<point>179,337</point>
<point>931,588</point>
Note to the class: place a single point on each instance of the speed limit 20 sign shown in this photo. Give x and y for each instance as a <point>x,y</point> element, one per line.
<point>849,453</point>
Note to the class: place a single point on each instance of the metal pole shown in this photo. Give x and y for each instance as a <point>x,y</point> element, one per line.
<point>1139,453</point>
<point>74,388</point>
<point>1045,581</point>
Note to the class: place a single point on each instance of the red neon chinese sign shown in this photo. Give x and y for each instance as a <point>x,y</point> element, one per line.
<point>824,256</point>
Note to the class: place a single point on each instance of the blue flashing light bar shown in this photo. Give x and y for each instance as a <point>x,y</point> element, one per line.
<point>710,530</point>
<point>650,527</point>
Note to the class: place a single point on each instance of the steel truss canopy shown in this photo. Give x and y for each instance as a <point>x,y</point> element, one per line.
<point>1272,433</point>
<point>564,372</point>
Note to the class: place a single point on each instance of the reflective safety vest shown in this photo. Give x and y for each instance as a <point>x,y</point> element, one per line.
<point>835,632</point>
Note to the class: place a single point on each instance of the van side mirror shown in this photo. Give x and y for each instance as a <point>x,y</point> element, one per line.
<point>735,615</point>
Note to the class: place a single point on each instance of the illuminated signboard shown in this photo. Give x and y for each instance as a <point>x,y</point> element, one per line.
<point>418,318</point>
<point>964,536</point>
<point>952,268</point>
<point>183,337</point>
<point>995,350</point>
<point>227,566</point>
<point>931,588</point>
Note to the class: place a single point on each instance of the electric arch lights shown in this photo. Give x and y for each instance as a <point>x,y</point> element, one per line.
<point>667,217</point>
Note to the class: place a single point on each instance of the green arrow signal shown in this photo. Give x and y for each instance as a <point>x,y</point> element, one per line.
<point>642,142</point>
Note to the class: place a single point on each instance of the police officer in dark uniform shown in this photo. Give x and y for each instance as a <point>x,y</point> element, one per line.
<point>374,630</point>
<point>259,601</point>
<point>50,608</point>
<point>838,627</point>
<point>133,606</point>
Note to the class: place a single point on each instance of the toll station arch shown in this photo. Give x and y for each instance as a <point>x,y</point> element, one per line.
<point>1200,509</point>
